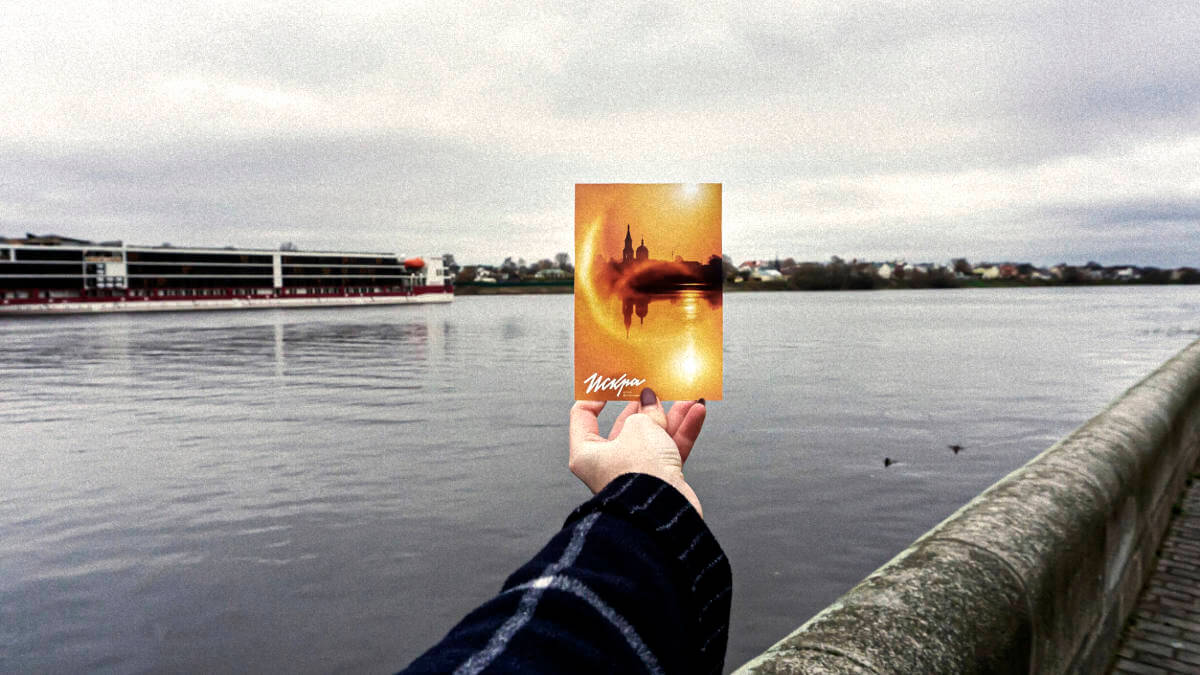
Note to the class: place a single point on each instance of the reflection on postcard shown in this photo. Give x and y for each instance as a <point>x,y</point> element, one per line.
<point>648,291</point>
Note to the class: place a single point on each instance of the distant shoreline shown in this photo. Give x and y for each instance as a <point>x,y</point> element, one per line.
<point>517,288</point>
<point>567,287</point>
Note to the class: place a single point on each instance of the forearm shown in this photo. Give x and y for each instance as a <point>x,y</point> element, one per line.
<point>633,582</point>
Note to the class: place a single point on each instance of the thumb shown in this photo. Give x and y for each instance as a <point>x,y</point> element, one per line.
<point>652,407</point>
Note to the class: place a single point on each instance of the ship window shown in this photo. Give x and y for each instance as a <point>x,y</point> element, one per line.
<point>180,257</point>
<point>5,254</point>
<point>45,254</point>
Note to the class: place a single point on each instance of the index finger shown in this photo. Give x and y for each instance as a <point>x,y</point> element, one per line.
<point>676,414</point>
<point>585,422</point>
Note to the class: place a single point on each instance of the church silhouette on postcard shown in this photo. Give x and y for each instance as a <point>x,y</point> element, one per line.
<point>647,275</point>
<point>629,255</point>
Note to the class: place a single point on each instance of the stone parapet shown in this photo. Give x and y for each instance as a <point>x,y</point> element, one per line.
<point>1037,574</point>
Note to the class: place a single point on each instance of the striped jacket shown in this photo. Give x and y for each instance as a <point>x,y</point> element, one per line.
<point>634,582</point>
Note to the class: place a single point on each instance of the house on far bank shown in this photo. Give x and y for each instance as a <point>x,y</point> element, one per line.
<point>760,270</point>
<point>550,273</point>
<point>766,274</point>
<point>894,269</point>
<point>992,272</point>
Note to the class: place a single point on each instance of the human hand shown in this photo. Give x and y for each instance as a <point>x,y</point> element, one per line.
<point>644,439</point>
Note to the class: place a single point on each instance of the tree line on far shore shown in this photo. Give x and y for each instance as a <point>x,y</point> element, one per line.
<point>840,274</point>
<point>511,270</point>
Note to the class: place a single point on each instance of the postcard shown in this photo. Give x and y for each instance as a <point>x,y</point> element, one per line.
<point>648,277</point>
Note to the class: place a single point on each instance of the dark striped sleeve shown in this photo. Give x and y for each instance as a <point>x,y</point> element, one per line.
<point>695,561</point>
<point>634,582</point>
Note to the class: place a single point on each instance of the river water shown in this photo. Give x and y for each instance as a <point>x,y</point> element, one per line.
<point>330,490</point>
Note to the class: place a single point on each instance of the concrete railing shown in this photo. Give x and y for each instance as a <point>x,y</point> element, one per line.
<point>1039,573</point>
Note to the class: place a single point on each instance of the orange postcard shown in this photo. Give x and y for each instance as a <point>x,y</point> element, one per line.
<point>648,279</point>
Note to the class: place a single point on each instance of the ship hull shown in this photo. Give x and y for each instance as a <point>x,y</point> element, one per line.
<point>53,306</point>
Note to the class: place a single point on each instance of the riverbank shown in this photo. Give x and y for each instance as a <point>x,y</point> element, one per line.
<point>517,288</point>
<point>566,287</point>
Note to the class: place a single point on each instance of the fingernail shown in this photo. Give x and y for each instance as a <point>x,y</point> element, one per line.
<point>648,397</point>
<point>700,401</point>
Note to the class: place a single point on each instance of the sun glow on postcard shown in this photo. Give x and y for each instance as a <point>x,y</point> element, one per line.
<point>690,365</point>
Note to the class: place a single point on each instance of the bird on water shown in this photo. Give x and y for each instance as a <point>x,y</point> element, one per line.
<point>956,447</point>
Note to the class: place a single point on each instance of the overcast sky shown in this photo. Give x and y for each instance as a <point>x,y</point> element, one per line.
<point>1040,131</point>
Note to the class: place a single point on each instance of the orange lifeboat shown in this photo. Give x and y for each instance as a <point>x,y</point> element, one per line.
<point>414,263</point>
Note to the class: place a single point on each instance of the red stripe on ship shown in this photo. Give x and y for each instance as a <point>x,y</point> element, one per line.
<point>227,294</point>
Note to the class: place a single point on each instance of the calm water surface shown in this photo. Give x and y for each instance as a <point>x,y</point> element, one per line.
<point>330,490</point>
